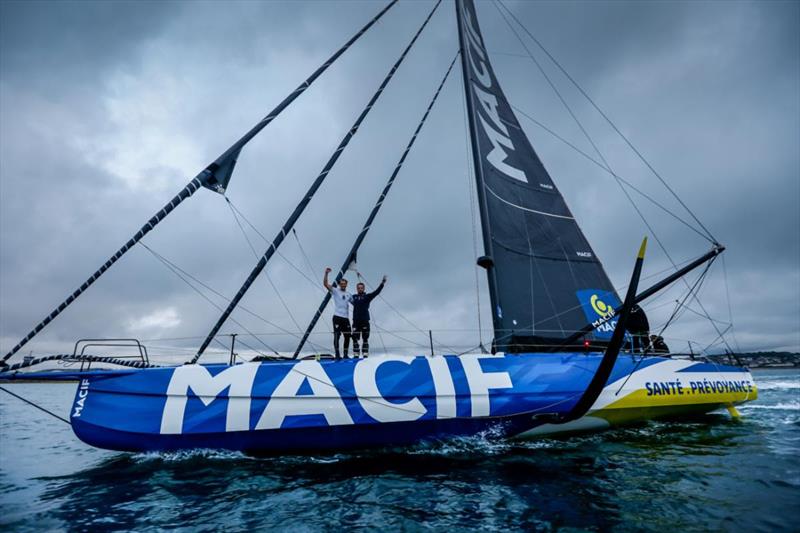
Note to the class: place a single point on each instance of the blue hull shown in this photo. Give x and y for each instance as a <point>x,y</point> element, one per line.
<point>331,405</point>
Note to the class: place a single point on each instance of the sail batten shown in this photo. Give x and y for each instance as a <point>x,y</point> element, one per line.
<point>545,281</point>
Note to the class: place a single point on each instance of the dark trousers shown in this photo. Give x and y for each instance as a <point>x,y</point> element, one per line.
<point>341,326</point>
<point>361,331</point>
<point>640,340</point>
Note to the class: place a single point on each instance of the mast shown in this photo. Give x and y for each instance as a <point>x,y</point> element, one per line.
<point>486,260</point>
<point>214,177</point>
<point>315,185</point>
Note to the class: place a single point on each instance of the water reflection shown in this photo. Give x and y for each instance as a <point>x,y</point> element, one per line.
<point>708,473</point>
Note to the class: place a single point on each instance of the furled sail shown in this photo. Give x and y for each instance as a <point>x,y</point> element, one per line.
<point>545,281</point>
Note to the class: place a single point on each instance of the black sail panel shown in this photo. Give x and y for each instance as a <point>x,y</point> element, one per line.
<point>545,280</point>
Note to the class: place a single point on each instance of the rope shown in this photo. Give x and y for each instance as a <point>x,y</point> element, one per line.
<point>599,153</point>
<point>182,274</point>
<point>730,309</point>
<point>314,283</point>
<point>681,303</point>
<point>607,119</point>
<point>472,202</point>
<point>255,254</point>
<point>310,266</point>
<point>39,407</point>
<point>413,325</point>
<point>78,358</point>
<point>309,195</point>
<point>596,162</point>
<point>238,212</point>
<point>228,158</point>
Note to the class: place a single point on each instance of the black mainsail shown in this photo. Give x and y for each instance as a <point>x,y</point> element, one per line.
<point>545,281</point>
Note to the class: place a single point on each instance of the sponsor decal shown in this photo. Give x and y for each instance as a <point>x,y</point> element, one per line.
<point>677,388</point>
<point>308,390</point>
<point>488,117</point>
<point>598,306</point>
<point>83,393</point>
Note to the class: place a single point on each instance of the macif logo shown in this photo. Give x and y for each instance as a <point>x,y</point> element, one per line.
<point>598,307</point>
<point>80,398</point>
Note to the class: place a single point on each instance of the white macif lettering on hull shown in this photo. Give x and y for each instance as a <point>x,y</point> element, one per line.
<point>324,400</point>
<point>238,379</point>
<point>481,382</point>
<point>371,399</point>
<point>445,390</point>
<point>83,392</point>
<point>499,139</point>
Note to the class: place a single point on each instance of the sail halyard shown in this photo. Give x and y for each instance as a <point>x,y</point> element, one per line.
<point>315,185</point>
<point>545,281</point>
<point>214,177</point>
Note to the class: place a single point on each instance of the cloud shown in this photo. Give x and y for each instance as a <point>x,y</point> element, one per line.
<point>108,109</point>
<point>159,319</point>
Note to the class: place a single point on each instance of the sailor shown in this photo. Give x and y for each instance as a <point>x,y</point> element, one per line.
<point>361,300</point>
<point>341,312</point>
<point>658,344</point>
<point>639,328</point>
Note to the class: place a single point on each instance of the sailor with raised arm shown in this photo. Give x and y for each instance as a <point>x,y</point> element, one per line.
<point>341,314</point>
<point>360,301</point>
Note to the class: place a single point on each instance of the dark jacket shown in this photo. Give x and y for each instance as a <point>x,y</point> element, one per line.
<point>361,303</point>
<point>637,321</point>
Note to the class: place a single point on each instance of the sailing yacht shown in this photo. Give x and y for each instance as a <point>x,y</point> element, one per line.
<point>556,363</point>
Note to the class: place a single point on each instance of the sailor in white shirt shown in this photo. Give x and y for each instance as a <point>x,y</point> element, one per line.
<point>341,313</point>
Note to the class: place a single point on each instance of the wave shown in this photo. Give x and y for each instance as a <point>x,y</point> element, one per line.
<point>790,406</point>
<point>188,455</point>
<point>778,385</point>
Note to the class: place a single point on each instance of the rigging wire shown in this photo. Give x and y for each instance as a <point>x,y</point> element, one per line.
<point>401,315</point>
<point>311,268</point>
<point>600,165</point>
<point>236,211</point>
<point>39,407</point>
<point>202,295</point>
<point>720,337</point>
<point>239,212</point>
<point>680,303</point>
<point>315,185</point>
<point>182,274</point>
<point>472,209</point>
<point>602,113</point>
<point>689,309</point>
<point>730,309</point>
<point>204,179</point>
<point>267,276</point>
<point>596,148</point>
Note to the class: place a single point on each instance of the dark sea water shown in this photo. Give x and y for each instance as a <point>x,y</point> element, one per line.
<point>712,473</point>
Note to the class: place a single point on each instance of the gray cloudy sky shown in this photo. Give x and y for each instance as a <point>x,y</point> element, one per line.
<point>108,108</point>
